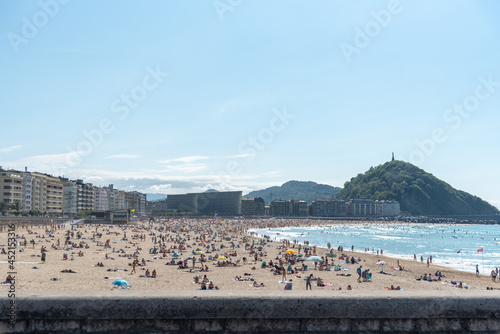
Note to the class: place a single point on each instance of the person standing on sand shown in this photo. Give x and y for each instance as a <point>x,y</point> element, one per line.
<point>133,267</point>
<point>477,270</point>
<point>308,282</point>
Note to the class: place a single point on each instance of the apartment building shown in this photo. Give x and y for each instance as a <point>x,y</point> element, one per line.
<point>292,208</point>
<point>27,191</point>
<point>70,196</point>
<point>362,207</point>
<point>119,200</point>
<point>46,193</point>
<point>328,208</point>
<point>85,196</point>
<point>111,197</point>
<point>251,206</point>
<point>39,193</point>
<point>11,187</point>
<point>101,199</point>
<point>136,201</point>
<point>388,208</point>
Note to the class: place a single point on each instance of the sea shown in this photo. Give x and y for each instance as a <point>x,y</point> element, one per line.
<point>459,246</point>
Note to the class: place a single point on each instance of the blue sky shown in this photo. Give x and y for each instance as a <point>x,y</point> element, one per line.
<point>178,96</point>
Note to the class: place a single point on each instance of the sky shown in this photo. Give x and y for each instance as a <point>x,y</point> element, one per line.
<point>183,96</point>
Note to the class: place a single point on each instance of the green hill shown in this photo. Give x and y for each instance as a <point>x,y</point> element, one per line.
<point>297,190</point>
<point>417,191</point>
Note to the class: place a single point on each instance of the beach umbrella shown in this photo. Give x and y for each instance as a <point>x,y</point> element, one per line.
<point>121,282</point>
<point>176,255</point>
<point>200,253</point>
<point>290,251</point>
<point>227,238</point>
<point>314,258</point>
<point>382,263</point>
<point>330,255</point>
<point>221,258</point>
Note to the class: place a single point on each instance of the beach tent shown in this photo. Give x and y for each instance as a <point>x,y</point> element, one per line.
<point>121,282</point>
<point>314,258</point>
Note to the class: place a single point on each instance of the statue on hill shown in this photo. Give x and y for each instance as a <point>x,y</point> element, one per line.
<point>392,156</point>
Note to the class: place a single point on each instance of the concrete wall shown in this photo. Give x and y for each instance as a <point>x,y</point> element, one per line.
<point>31,220</point>
<point>128,311</point>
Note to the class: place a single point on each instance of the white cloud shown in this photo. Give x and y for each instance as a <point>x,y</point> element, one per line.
<point>241,156</point>
<point>50,163</point>
<point>123,156</point>
<point>186,176</point>
<point>185,164</point>
<point>159,189</point>
<point>187,168</point>
<point>219,187</point>
<point>92,179</point>
<point>272,173</point>
<point>10,148</point>
<point>185,159</point>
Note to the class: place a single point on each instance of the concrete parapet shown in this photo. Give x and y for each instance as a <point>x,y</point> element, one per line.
<point>128,311</point>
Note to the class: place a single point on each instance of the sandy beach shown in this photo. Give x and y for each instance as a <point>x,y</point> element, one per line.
<point>81,248</point>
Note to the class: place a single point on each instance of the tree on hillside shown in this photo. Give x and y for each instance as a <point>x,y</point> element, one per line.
<point>416,191</point>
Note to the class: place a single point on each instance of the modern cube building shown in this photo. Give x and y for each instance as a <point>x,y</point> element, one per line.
<point>208,203</point>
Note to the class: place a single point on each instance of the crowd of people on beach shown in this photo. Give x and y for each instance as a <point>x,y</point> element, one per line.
<point>201,246</point>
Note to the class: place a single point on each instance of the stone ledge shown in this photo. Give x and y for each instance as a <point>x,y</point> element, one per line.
<point>240,311</point>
